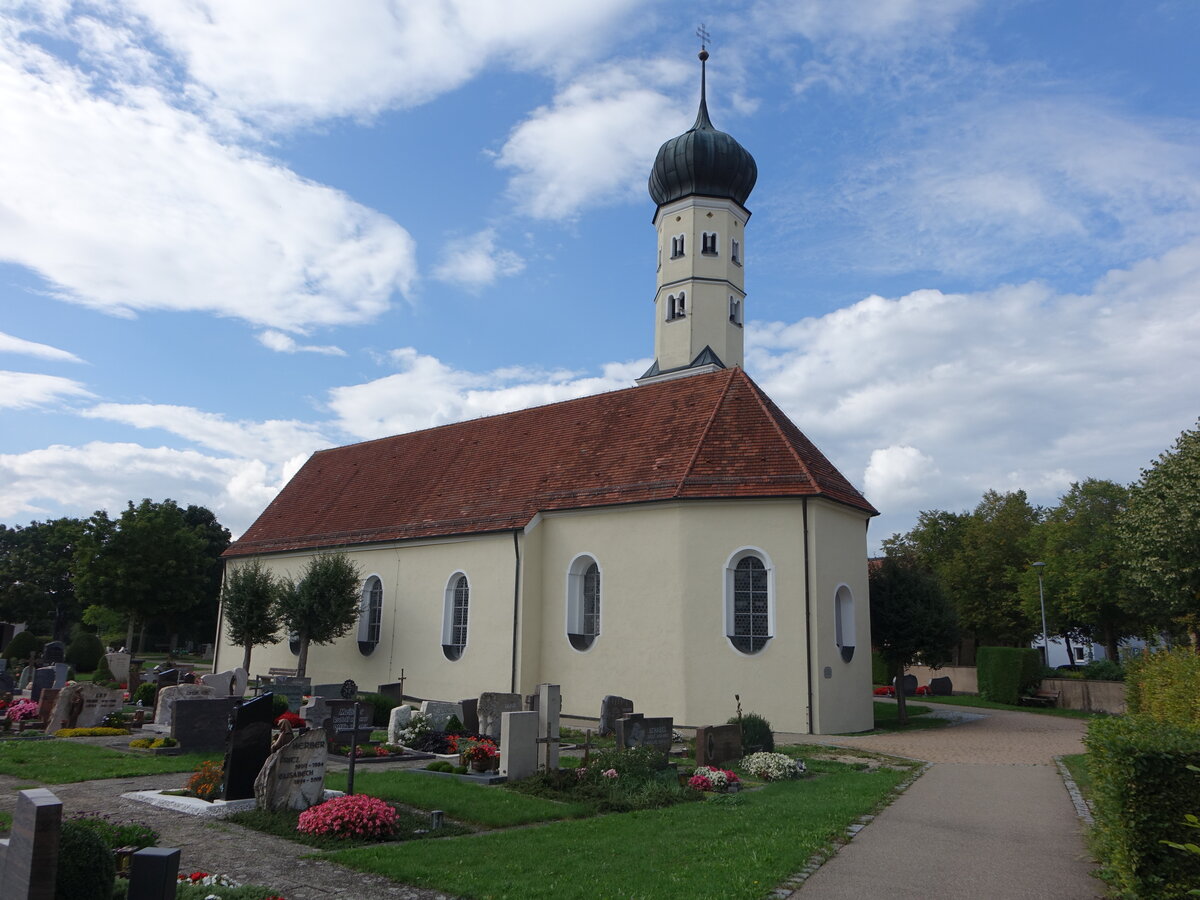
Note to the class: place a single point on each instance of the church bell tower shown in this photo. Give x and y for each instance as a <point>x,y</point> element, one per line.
<point>700,182</point>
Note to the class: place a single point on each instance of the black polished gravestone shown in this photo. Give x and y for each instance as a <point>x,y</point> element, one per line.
<point>718,744</point>
<point>470,716</point>
<point>167,678</point>
<point>203,724</point>
<point>908,684</point>
<point>54,652</point>
<point>43,680</point>
<point>340,724</point>
<point>248,747</point>
<point>941,687</point>
<point>642,731</point>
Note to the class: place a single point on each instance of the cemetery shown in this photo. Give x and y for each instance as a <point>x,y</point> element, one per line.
<point>330,768</point>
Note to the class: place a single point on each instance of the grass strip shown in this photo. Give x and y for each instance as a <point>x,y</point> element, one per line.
<point>729,847</point>
<point>64,762</point>
<point>1077,765</point>
<point>980,703</point>
<point>491,807</point>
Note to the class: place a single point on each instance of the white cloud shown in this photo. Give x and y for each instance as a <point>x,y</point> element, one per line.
<point>125,200</point>
<point>11,344</point>
<point>22,390</point>
<point>475,262</point>
<point>594,143</point>
<point>899,475</point>
<point>273,441</point>
<point>427,392</point>
<point>282,343</point>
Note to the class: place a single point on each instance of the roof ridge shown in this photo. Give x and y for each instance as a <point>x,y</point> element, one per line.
<point>712,417</point>
<point>759,398</point>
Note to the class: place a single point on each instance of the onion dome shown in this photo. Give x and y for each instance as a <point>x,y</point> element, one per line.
<point>702,161</point>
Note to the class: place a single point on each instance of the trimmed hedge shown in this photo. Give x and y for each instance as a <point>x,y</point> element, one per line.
<point>1007,673</point>
<point>879,669</point>
<point>85,652</point>
<point>381,708</point>
<point>1165,687</point>
<point>18,649</point>
<point>1142,790</point>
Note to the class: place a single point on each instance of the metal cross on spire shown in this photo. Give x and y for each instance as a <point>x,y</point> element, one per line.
<point>704,36</point>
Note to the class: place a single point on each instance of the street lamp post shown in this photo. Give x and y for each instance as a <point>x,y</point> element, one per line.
<point>1042,597</point>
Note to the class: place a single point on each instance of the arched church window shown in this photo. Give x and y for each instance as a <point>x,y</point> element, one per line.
<point>748,601</point>
<point>294,642</point>
<point>370,615</point>
<point>708,243</point>
<point>583,602</point>
<point>676,306</point>
<point>454,625</point>
<point>735,310</point>
<point>843,617</point>
<point>677,246</point>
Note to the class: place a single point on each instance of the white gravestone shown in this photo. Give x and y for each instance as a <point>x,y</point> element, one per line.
<point>315,713</point>
<point>93,702</point>
<point>241,681</point>
<point>118,664</point>
<point>61,671</point>
<point>440,711</point>
<point>549,707</point>
<point>518,745</point>
<point>398,720</point>
<point>164,703</point>
<point>293,777</point>
<point>221,682</point>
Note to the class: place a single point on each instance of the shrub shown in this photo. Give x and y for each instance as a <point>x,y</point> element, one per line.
<point>633,764</point>
<point>102,673</point>
<point>1007,673</point>
<point>454,726</point>
<point>279,704</point>
<point>381,708</point>
<point>354,816</point>
<point>772,766</point>
<point>205,782</point>
<point>86,869</point>
<point>116,834</point>
<point>85,652</point>
<point>141,743</point>
<point>459,770</point>
<point>1165,686</point>
<point>440,765</point>
<point>144,694</point>
<point>1104,670</point>
<point>756,733</point>
<point>19,648</point>
<point>879,669</point>
<point>97,731</point>
<point>164,741</point>
<point>418,726</point>
<point>1142,791</point>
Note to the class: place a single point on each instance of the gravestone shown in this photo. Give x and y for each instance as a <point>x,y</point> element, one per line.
<point>315,713</point>
<point>518,744</point>
<point>491,707</point>
<point>393,691</point>
<point>166,678</point>
<point>29,865</point>
<point>642,731</point>
<point>26,679</point>
<point>470,715</point>
<point>248,747</point>
<point>164,702</point>
<point>941,687</point>
<point>83,705</point>
<point>43,679</point>
<point>61,671</point>
<point>7,685</point>
<point>340,725</point>
<point>440,711</point>
<point>54,652</point>
<point>153,874</point>
<point>549,706</point>
<point>293,777</point>
<point>718,744</point>
<point>202,725</point>
<point>293,688</point>
<point>118,664</point>
<point>3,665</point>
<point>46,701</point>
<point>241,681</point>
<point>612,708</point>
<point>908,684</point>
<point>397,721</point>
<point>221,682</point>
<point>328,691</point>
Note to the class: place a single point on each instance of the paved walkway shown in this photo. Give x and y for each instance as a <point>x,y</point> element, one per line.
<point>990,818</point>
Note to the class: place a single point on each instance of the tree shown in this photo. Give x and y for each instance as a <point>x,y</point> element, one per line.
<point>1161,531</point>
<point>248,607</point>
<point>912,620</point>
<point>35,575</point>
<point>149,563</point>
<point>323,605</point>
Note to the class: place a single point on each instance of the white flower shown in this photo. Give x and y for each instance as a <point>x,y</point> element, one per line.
<point>773,766</point>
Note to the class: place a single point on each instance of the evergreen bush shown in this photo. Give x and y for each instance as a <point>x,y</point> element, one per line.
<point>1142,791</point>
<point>86,868</point>
<point>1104,670</point>
<point>1165,687</point>
<point>85,652</point>
<point>879,669</point>
<point>19,648</point>
<point>756,733</point>
<point>381,709</point>
<point>1007,673</point>
<point>144,694</point>
<point>102,673</point>
<point>279,705</point>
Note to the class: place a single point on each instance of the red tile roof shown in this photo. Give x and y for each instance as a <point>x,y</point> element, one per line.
<point>704,436</point>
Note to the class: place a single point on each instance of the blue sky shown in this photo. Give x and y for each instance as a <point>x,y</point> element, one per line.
<point>235,233</point>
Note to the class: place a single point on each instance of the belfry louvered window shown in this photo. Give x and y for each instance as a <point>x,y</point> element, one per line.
<point>454,629</point>
<point>677,247</point>
<point>583,602</point>
<point>370,615</point>
<point>748,603</point>
<point>708,243</point>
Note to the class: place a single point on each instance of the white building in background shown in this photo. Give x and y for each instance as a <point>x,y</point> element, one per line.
<point>677,543</point>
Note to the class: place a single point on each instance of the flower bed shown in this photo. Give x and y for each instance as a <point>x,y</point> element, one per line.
<point>356,816</point>
<point>773,766</point>
<point>721,781</point>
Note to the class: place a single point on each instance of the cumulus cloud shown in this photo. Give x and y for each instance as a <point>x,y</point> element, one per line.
<point>898,475</point>
<point>475,262</point>
<point>23,390</point>
<point>11,344</point>
<point>427,392</point>
<point>283,343</point>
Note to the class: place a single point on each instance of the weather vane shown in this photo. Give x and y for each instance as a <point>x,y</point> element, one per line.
<point>704,36</point>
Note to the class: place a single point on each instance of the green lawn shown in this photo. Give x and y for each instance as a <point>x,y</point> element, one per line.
<point>980,703</point>
<point>459,800</point>
<point>886,717</point>
<point>64,762</point>
<point>728,847</point>
<point>1077,765</point>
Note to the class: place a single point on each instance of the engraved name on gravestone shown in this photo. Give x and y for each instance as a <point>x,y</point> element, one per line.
<point>293,777</point>
<point>643,731</point>
<point>90,702</point>
<point>248,747</point>
<point>167,697</point>
<point>202,724</point>
<point>718,744</point>
<point>440,711</point>
<point>492,706</point>
<point>612,708</point>
<point>341,721</point>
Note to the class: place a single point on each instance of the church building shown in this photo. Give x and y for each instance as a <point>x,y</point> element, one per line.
<point>676,543</point>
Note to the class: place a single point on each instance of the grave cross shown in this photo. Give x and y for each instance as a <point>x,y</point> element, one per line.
<point>549,738</point>
<point>587,746</point>
<point>704,36</point>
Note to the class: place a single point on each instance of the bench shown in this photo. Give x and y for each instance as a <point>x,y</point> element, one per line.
<point>1042,698</point>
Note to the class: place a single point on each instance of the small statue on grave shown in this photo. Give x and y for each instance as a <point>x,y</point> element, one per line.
<point>285,736</point>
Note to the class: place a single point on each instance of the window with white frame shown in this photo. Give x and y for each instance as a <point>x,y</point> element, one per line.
<point>843,616</point>
<point>735,251</point>
<point>676,306</point>
<point>583,602</point>
<point>677,247</point>
<point>294,642</point>
<point>370,615</point>
<point>454,622</point>
<point>708,243</point>
<point>735,310</point>
<point>749,610</point>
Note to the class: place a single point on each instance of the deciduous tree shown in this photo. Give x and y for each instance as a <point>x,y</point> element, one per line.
<point>323,605</point>
<point>248,606</point>
<point>35,575</point>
